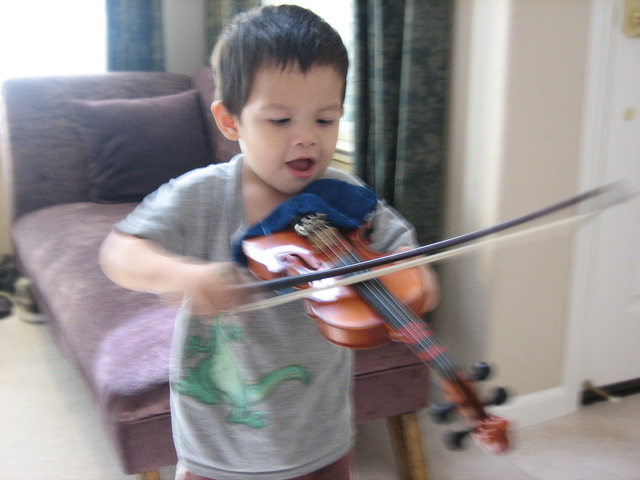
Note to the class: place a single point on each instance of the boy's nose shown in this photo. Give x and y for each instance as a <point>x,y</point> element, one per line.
<point>305,137</point>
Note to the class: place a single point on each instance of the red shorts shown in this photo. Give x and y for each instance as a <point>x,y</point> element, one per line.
<point>339,470</point>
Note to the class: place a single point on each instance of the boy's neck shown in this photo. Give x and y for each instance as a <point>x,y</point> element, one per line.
<point>259,199</point>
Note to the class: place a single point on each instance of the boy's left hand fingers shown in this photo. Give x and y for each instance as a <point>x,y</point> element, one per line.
<point>429,283</point>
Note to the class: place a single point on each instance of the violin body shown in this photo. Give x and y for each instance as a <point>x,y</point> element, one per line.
<point>340,312</point>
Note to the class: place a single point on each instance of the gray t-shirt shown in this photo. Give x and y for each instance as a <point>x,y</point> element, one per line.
<point>259,395</point>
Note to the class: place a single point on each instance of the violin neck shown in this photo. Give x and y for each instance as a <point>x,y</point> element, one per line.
<point>405,325</point>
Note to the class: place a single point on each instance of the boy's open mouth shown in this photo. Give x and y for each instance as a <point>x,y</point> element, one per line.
<point>301,167</point>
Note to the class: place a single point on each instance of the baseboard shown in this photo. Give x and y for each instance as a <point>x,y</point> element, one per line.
<point>547,405</point>
<point>538,407</point>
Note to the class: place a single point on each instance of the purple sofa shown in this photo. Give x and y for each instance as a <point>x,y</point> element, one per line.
<point>83,151</point>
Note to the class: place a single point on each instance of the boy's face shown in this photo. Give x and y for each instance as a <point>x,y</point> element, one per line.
<point>288,128</point>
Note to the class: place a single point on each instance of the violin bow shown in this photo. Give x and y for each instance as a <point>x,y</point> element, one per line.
<point>432,252</point>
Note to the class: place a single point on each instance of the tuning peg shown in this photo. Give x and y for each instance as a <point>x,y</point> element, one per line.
<point>480,371</point>
<point>441,413</point>
<point>499,397</point>
<point>455,440</point>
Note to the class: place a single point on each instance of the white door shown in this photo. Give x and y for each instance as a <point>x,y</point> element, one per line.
<point>610,327</point>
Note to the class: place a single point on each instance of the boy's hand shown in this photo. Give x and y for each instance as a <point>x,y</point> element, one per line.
<point>430,285</point>
<point>209,288</point>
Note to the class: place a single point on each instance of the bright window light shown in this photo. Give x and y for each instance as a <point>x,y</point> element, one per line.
<point>44,37</point>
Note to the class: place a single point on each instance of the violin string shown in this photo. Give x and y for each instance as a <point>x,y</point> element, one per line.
<point>422,338</point>
<point>378,290</point>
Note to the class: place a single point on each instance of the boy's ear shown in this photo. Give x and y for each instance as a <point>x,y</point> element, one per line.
<point>225,120</point>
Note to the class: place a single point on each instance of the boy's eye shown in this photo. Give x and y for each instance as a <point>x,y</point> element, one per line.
<point>325,121</point>
<point>280,121</point>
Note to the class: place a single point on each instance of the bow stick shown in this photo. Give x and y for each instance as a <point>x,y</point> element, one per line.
<point>431,253</point>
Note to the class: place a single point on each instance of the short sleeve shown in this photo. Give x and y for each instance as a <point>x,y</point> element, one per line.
<point>390,230</point>
<point>157,218</point>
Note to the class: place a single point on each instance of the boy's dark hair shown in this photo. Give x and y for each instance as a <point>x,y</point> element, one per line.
<point>272,36</point>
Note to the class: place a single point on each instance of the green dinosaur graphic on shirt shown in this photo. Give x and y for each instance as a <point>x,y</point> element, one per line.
<point>217,377</point>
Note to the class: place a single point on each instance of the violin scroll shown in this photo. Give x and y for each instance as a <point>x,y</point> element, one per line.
<point>489,431</point>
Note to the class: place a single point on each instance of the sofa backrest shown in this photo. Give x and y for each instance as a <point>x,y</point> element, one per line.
<point>46,161</point>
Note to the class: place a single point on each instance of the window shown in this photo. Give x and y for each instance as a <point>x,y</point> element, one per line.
<point>42,37</point>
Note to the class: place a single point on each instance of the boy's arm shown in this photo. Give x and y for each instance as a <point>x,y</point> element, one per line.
<point>141,265</point>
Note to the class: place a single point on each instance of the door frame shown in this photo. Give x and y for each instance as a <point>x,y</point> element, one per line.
<point>596,103</point>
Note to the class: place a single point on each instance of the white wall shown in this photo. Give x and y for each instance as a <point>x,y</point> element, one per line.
<point>515,136</point>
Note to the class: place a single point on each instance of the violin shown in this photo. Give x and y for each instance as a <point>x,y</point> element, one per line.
<point>373,312</point>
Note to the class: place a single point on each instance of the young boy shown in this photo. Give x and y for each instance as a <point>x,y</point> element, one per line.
<point>260,395</point>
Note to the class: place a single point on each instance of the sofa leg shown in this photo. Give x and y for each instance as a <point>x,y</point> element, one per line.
<point>152,475</point>
<point>406,439</point>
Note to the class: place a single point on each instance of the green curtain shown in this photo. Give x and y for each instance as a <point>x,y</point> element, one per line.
<point>218,15</point>
<point>402,70</point>
<point>134,35</point>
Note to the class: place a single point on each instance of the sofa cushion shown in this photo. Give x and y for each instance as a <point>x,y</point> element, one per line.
<point>119,339</point>
<point>135,145</point>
